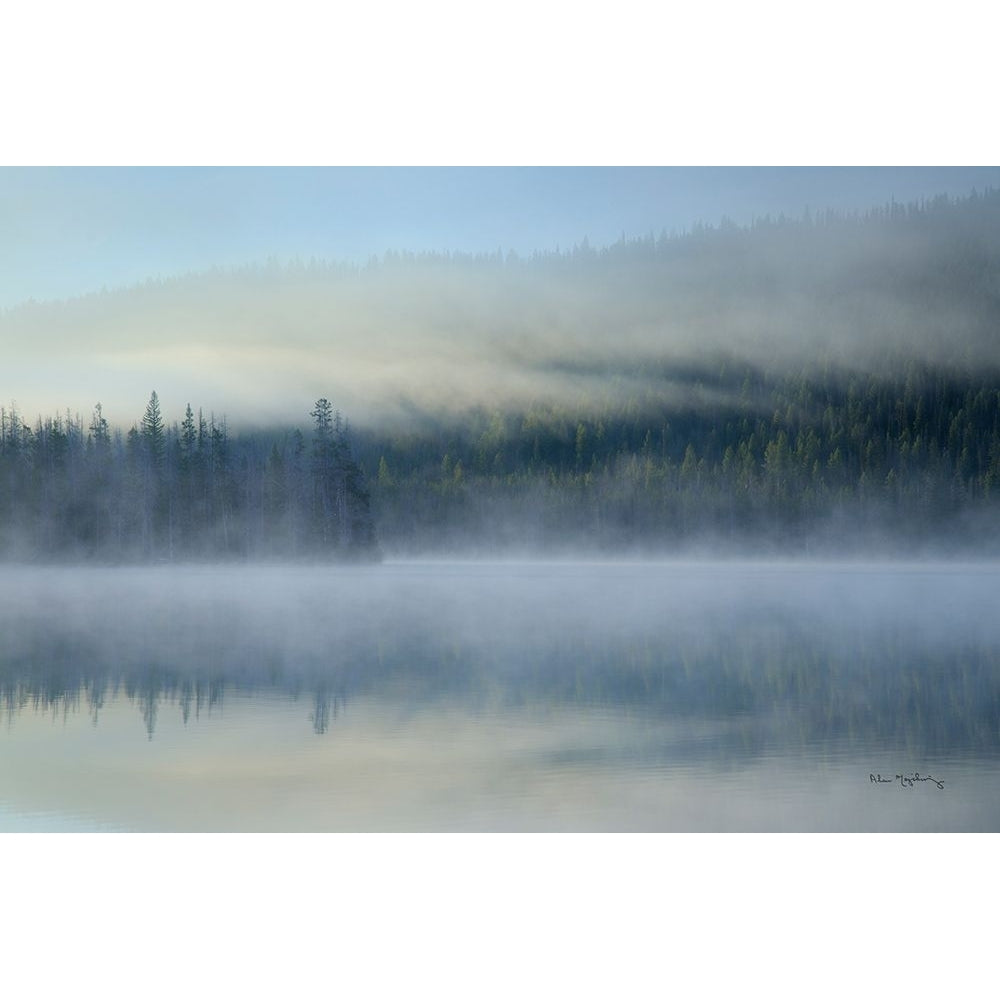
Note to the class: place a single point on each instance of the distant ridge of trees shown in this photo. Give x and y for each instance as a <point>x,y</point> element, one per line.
<point>970,220</point>
<point>187,491</point>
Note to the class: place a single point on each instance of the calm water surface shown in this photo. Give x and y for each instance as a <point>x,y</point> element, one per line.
<point>501,696</point>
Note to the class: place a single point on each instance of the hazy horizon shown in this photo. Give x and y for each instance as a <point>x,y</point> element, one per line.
<point>67,232</point>
<point>477,311</point>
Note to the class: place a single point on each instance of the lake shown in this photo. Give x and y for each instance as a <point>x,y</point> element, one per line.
<point>537,696</point>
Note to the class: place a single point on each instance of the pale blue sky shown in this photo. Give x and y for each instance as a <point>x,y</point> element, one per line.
<point>68,231</point>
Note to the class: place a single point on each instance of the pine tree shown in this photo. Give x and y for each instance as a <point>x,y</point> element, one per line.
<point>324,510</point>
<point>153,433</point>
<point>189,436</point>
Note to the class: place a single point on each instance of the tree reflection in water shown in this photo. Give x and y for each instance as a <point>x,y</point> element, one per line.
<point>808,680</point>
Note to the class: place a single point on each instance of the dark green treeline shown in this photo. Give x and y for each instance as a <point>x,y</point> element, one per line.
<point>813,461</point>
<point>184,491</point>
<point>821,459</point>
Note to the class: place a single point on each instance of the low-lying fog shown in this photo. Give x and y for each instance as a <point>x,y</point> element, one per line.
<point>644,668</point>
<point>615,630</point>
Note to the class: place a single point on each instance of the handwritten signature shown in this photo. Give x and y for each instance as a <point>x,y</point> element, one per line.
<point>905,780</point>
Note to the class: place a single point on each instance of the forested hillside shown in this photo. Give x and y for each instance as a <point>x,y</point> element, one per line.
<point>822,384</point>
<point>175,492</point>
<point>805,462</point>
<point>826,383</point>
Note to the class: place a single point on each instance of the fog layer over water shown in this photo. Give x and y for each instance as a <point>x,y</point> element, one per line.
<point>574,696</point>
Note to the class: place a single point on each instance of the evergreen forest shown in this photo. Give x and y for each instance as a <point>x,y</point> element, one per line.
<point>187,491</point>
<point>819,385</point>
<point>798,463</point>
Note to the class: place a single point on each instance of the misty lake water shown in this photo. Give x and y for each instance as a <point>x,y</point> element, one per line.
<point>569,696</point>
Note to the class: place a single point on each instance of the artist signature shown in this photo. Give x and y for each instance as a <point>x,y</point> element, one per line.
<point>905,780</point>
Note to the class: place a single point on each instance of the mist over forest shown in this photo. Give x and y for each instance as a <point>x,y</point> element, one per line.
<point>801,385</point>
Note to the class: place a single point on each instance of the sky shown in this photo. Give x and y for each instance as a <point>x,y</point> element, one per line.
<point>66,232</point>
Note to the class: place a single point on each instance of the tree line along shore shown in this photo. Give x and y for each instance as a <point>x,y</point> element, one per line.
<point>192,490</point>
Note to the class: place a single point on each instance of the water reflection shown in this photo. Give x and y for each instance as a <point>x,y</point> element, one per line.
<point>766,658</point>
